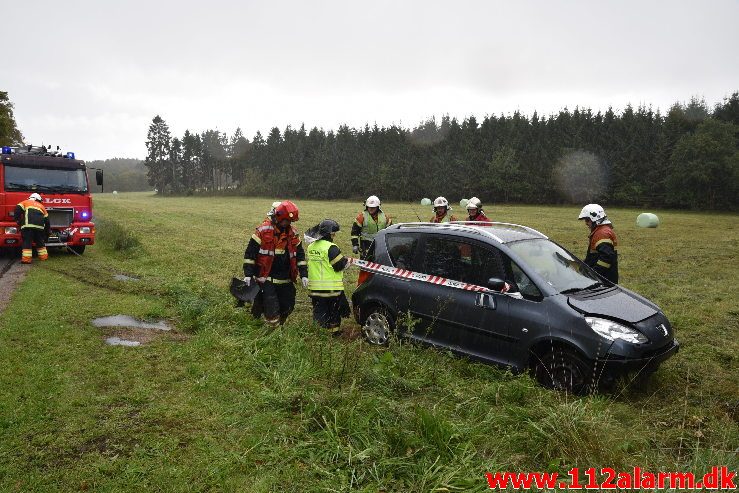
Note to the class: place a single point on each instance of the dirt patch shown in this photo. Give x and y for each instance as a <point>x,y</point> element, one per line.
<point>350,331</point>
<point>12,272</point>
<point>143,336</point>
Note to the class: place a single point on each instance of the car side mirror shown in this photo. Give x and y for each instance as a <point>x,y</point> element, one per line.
<point>496,284</point>
<point>99,177</point>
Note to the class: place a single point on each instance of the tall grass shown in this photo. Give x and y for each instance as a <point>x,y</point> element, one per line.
<point>236,407</point>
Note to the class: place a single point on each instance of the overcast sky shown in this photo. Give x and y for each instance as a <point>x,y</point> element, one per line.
<point>90,75</point>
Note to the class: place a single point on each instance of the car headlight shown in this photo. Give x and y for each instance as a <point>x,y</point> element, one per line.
<point>612,331</point>
<point>85,230</point>
<point>12,230</point>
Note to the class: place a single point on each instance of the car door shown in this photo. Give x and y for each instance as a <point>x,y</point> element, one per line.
<point>433,308</point>
<point>402,249</point>
<point>463,321</point>
<point>483,318</point>
<point>528,316</point>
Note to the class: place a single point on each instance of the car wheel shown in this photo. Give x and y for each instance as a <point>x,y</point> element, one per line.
<point>564,369</point>
<point>377,326</point>
<point>79,250</point>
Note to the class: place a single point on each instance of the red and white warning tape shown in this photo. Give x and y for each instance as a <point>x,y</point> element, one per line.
<point>417,276</point>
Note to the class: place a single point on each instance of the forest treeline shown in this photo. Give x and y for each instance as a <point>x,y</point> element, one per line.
<point>687,158</point>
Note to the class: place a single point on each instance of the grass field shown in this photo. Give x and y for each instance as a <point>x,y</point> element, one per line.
<point>228,406</point>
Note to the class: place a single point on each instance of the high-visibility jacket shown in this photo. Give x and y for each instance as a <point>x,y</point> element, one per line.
<point>267,236</point>
<point>31,214</point>
<point>365,227</point>
<point>602,255</point>
<point>321,273</point>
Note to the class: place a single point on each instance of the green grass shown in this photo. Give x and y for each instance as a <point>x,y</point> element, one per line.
<point>235,408</point>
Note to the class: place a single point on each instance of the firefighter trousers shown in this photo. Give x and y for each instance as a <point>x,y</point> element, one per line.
<point>275,302</point>
<point>31,236</point>
<point>329,310</point>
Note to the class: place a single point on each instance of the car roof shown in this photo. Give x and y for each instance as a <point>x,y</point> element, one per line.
<point>499,232</point>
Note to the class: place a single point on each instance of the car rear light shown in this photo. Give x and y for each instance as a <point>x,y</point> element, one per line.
<point>364,276</point>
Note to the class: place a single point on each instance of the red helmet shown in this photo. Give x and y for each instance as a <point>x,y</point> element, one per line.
<point>286,210</point>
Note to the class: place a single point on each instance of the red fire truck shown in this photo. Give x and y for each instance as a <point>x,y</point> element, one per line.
<point>62,182</point>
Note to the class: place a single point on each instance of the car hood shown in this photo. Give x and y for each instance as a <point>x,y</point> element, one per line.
<point>613,303</point>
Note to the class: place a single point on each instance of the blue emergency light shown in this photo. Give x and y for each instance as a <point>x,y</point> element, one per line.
<point>7,150</point>
<point>70,155</point>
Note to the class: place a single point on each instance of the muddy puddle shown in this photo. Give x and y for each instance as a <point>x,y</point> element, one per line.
<point>123,330</point>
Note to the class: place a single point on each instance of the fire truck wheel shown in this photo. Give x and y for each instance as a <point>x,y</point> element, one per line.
<point>79,250</point>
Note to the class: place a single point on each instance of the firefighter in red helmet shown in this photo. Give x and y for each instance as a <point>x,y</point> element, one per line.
<point>275,259</point>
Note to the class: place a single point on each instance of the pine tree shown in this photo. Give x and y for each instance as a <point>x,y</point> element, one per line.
<point>158,151</point>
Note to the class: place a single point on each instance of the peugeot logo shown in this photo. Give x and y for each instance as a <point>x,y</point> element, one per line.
<point>664,329</point>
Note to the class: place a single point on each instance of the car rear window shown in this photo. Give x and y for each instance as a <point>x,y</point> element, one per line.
<point>402,248</point>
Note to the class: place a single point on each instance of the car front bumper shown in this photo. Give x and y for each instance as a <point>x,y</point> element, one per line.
<point>646,363</point>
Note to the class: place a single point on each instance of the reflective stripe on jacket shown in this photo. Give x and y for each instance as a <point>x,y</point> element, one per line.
<point>31,214</point>
<point>265,237</point>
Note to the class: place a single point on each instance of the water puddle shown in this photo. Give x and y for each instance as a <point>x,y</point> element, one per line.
<point>123,330</point>
<point>124,278</point>
<point>117,341</point>
<point>126,321</point>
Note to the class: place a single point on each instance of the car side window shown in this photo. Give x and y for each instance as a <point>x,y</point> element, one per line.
<point>401,248</point>
<point>442,258</point>
<point>484,264</point>
<point>461,261</point>
<point>525,285</point>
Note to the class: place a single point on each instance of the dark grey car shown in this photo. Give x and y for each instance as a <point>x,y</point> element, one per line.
<point>559,319</point>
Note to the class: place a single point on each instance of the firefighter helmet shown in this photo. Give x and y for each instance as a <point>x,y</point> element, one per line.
<point>36,197</point>
<point>441,202</point>
<point>272,210</point>
<point>372,201</point>
<point>474,203</point>
<point>594,212</point>
<point>286,210</point>
<point>328,226</point>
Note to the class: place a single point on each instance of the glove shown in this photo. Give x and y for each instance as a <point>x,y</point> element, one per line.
<point>304,280</point>
<point>355,249</point>
<point>247,281</point>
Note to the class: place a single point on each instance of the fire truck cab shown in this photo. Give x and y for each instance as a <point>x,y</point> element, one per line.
<point>62,182</point>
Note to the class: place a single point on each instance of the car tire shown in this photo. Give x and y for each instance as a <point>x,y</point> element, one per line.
<point>79,250</point>
<point>378,326</point>
<point>565,370</point>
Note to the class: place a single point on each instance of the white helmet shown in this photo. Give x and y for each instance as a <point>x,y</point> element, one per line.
<point>372,201</point>
<point>36,197</point>
<point>474,203</point>
<point>272,210</point>
<point>595,213</point>
<point>441,202</point>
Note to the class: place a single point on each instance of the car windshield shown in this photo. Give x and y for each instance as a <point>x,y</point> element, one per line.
<point>555,265</point>
<point>45,180</point>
